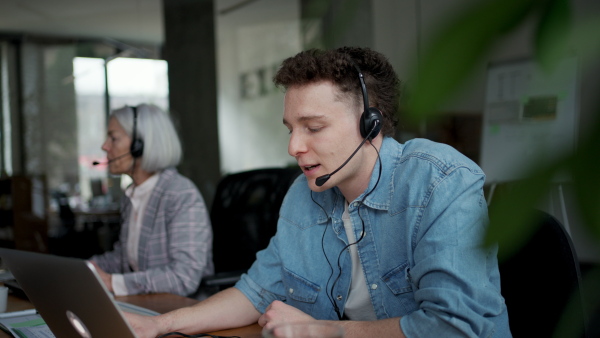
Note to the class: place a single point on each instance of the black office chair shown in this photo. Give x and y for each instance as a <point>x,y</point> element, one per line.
<point>66,240</point>
<point>244,218</point>
<point>540,280</point>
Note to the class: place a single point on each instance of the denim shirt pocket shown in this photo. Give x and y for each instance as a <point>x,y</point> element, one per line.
<point>398,279</point>
<point>399,283</point>
<point>300,292</point>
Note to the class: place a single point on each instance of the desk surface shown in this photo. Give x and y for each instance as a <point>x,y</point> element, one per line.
<point>161,303</point>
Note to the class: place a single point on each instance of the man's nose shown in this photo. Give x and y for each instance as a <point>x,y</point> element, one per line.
<point>296,145</point>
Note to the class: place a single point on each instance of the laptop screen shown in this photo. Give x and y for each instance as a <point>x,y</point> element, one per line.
<point>68,294</point>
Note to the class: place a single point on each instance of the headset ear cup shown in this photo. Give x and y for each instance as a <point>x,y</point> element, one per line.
<point>367,121</point>
<point>137,148</point>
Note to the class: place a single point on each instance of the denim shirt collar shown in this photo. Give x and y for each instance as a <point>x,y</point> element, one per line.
<point>390,154</point>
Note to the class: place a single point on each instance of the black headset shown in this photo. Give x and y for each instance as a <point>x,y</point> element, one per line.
<point>370,115</point>
<point>137,145</point>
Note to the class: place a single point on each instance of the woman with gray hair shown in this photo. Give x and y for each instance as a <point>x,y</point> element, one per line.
<point>165,243</point>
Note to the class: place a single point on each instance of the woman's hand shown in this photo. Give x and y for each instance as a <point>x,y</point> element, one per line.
<point>106,277</point>
<point>279,312</point>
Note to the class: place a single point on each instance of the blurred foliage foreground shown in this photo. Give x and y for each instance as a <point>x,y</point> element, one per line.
<point>448,62</point>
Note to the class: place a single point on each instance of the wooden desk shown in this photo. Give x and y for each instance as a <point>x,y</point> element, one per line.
<point>14,303</point>
<point>161,303</point>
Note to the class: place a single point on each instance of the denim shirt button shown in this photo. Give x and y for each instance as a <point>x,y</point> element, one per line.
<point>373,286</point>
<point>339,297</point>
<point>291,290</point>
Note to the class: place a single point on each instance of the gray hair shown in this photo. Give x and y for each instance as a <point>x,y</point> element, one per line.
<point>162,148</point>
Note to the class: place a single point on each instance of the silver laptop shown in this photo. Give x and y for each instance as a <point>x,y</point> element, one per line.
<point>68,294</point>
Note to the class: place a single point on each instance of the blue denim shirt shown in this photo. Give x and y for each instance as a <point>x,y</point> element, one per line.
<point>421,253</point>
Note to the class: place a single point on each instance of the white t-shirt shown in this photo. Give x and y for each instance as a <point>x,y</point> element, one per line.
<point>139,197</point>
<point>358,306</point>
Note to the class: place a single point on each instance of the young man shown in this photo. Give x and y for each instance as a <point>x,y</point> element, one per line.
<point>384,238</point>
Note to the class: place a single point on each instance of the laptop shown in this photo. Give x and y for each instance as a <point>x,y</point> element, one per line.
<point>68,294</point>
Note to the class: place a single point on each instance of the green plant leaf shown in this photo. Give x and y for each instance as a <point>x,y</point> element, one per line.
<point>553,33</point>
<point>584,39</point>
<point>511,223</point>
<point>585,168</point>
<point>511,210</point>
<point>451,57</point>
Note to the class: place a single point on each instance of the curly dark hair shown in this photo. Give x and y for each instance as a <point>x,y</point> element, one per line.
<point>337,66</point>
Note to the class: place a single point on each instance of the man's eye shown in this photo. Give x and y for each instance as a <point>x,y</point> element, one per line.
<point>314,130</point>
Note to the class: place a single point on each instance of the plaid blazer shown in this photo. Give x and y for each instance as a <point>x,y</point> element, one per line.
<point>175,248</point>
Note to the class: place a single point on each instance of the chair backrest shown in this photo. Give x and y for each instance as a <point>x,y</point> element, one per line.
<point>540,280</point>
<point>244,214</point>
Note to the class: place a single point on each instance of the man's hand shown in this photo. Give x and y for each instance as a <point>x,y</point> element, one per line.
<point>106,278</point>
<point>279,312</point>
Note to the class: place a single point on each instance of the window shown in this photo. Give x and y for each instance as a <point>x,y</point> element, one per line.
<point>131,81</point>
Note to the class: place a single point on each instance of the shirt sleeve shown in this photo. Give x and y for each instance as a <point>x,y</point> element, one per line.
<point>118,285</point>
<point>453,274</point>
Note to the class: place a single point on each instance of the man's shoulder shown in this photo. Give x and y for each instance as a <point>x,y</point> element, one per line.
<point>422,145</point>
<point>440,154</point>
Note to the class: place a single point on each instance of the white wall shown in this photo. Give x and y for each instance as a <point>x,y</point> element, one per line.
<point>251,43</point>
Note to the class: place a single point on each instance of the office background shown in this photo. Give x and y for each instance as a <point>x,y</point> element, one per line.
<point>219,57</point>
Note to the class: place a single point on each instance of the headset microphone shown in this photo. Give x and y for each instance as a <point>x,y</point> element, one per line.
<point>110,161</point>
<point>322,179</point>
